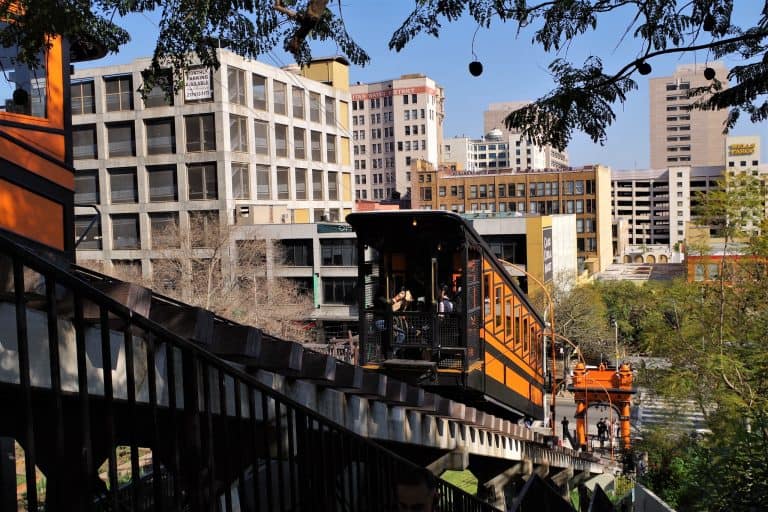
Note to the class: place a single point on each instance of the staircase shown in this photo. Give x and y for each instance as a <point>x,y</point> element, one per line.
<point>654,411</point>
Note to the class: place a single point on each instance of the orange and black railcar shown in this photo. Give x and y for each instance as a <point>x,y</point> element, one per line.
<point>437,308</point>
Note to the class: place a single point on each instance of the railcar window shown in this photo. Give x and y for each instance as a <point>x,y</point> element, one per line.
<point>526,336</point>
<point>22,87</point>
<point>497,306</point>
<point>507,319</point>
<point>486,295</point>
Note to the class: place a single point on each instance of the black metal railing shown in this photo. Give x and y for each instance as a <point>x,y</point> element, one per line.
<point>92,392</point>
<point>416,335</point>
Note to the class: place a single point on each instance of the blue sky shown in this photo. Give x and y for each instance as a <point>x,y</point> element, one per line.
<point>514,70</point>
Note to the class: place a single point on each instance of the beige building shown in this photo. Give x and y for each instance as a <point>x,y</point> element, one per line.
<point>394,122</point>
<point>681,135</point>
<point>585,192</point>
<point>244,144</point>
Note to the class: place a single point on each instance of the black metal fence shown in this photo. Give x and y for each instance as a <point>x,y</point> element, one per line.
<point>92,393</point>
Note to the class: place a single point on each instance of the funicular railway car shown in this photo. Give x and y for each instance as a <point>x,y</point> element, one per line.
<point>437,308</point>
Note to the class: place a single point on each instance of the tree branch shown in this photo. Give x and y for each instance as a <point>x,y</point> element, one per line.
<point>620,74</point>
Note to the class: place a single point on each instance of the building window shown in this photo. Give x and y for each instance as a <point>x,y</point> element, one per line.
<point>283,177</point>
<point>261,136</point>
<point>92,239</point>
<point>240,183</point>
<point>203,183</point>
<point>160,94</point>
<point>238,133</point>
<point>82,98</point>
<point>339,290</point>
<point>201,133</point>
<point>281,140</point>
<point>263,188</point>
<point>125,231</point>
<point>121,140</point>
<point>84,142</point>
<point>122,186</point>
<point>278,97</point>
<point>315,141</point>
<point>330,148</point>
<point>162,183</point>
<point>236,84</point>
<point>299,143</point>
<point>164,230</point>
<point>339,252</point>
<point>330,110</point>
<point>259,91</point>
<point>301,183</point>
<point>161,136</point>
<point>87,187</point>
<point>314,107</point>
<point>296,253</point>
<point>317,184</point>
<point>119,93</point>
<point>333,186</point>
<point>297,102</point>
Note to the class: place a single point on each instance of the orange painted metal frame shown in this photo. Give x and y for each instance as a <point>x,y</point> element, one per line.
<point>605,387</point>
<point>38,146</point>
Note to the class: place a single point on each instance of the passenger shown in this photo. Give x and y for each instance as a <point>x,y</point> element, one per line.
<point>416,490</point>
<point>402,300</point>
<point>444,304</point>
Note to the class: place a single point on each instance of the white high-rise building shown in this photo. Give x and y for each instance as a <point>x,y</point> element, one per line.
<point>394,123</point>
<point>500,150</point>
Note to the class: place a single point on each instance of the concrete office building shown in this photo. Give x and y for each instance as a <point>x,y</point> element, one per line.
<point>394,122</point>
<point>585,192</point>
<point>500,150</point>
<point>247,144</point>
<point>681,135</point>
<point>658,204</point>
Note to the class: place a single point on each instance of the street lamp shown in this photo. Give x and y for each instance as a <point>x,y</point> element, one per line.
<point>553,416</point>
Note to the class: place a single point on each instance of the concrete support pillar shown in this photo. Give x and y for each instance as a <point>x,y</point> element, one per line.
<point>457,460</point>
<point>562,479</point>
<point>503,488</point>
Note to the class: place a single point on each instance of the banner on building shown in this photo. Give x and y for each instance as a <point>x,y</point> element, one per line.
<point>197,84</point>
<point>547,244</point>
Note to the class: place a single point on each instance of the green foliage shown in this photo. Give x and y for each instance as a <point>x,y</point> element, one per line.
<point>464,480</point>
<point>583,99</point>
<point>584,96</point>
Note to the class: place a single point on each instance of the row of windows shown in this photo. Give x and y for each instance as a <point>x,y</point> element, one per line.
<point>125,229</point>
<point>538,189</point>
<point>203,184</point>
<point>200,135</point>
<point>578,206</point>
<point>334,252</point>
<point>119,96</point>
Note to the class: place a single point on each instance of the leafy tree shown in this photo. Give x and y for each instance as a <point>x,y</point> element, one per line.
<point>583,98</point>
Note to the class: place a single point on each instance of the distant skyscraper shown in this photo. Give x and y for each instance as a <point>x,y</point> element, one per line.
<point>497,112</point>
<point>681,135</point>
